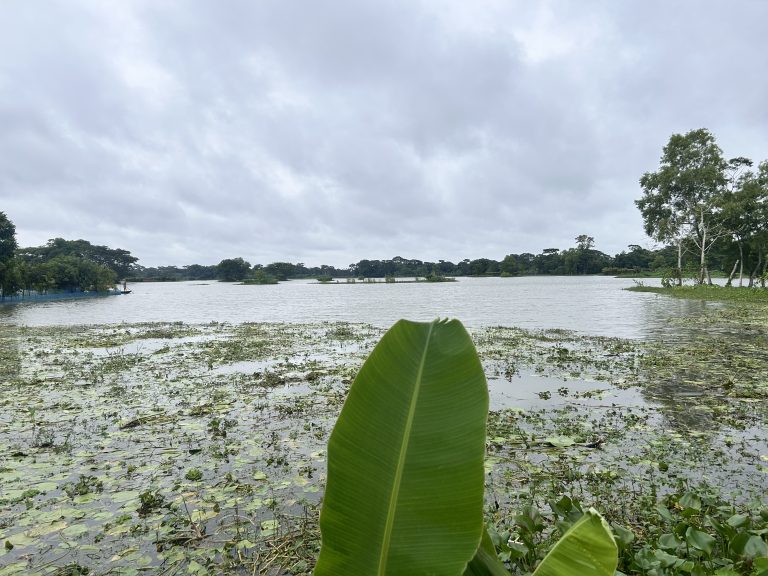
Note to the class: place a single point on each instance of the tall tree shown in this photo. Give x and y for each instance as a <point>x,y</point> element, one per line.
<point>584,242</point>
<point>8,245</point>
<point>680,199</point>
<point>741,208</point>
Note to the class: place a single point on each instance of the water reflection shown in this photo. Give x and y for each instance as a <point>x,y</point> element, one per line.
<point>681,405</point>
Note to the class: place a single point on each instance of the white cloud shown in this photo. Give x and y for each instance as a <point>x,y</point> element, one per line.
<point>331,132</point>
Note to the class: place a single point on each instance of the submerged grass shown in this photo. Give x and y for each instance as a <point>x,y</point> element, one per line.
<point>177,449</point>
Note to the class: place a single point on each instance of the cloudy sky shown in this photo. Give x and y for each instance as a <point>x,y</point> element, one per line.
<point>329,131</point>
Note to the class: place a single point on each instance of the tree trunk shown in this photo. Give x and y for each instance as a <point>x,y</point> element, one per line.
<point>730,278</point>
<point>680,262</point>
<point>756,270</point>
<point>703,238</point>
<point>741,263</point>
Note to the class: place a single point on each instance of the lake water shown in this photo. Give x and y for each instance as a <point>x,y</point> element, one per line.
<point>594,305</point>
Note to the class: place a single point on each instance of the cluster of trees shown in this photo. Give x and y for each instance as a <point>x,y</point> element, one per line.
<point>583,259</point>
<point>236,270</point>
<point>702,203</point>
<point>60,265</point>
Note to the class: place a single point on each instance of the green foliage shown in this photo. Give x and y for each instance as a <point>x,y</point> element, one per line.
<point>194,475</point>
<point>700,535</point>
<point>405,469</point>
<point>119,261</point>
<point>150,501</point>
<point>713,293</point>
<point>233,270</point>
<point>7,239</point>
<point>697,200</point>
<point>587,549</point>
<point>281,270</point>
<point>260,277</point>
<point>9,275</point>
<point>60,265</point>
<point>405,460</point>
<point>438,278</point>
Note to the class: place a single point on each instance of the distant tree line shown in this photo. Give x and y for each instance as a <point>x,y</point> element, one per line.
<point>583,258</point>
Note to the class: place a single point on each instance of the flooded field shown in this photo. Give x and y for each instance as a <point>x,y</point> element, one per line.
<point>199,448</point>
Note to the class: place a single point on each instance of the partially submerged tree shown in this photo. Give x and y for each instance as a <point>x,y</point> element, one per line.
<point>120,261</point>
<point>233,270</point>
<point>680,199</point>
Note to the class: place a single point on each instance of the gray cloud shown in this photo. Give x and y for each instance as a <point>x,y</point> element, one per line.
<point>329,132</point>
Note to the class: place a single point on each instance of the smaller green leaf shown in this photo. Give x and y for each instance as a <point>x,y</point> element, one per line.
<point>690,501</point>
<point>669,542</point>
<point>700,540</point>
<point>623,536</point>
<point>486,562</point>
<point>738,520</point>
<point>665,513</point>
<point>667,560</point>
<point>755,547</point>
<point>587,549</point>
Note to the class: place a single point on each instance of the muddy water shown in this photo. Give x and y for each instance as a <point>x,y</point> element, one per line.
<point>592,305</point>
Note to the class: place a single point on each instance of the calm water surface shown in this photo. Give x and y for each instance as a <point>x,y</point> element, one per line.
<point>594,305</point>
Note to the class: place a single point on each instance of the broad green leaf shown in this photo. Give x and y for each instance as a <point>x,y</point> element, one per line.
<point>700,540</point>
<point>405,459</point>
<point>586,549</point>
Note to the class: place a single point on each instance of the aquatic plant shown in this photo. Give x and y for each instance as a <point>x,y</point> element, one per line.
<point>405,468</point>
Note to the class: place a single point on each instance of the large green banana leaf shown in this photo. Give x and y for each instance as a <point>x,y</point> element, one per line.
<point>586,549</point>
<point>405,459</point>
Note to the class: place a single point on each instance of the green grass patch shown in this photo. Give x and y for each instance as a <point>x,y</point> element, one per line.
<point>713,293</point>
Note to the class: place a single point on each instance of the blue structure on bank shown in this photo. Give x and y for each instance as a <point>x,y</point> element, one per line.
<point>32,296</point>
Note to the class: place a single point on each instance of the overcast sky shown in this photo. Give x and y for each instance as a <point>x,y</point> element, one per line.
<point>330,131</point>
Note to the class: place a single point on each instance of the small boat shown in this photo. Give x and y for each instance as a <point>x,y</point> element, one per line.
<point>125,288</point>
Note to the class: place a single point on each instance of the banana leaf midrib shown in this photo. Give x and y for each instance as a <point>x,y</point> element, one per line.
<point>392,511</point>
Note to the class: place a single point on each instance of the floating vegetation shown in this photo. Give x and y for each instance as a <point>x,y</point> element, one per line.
<point>193,449</point>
